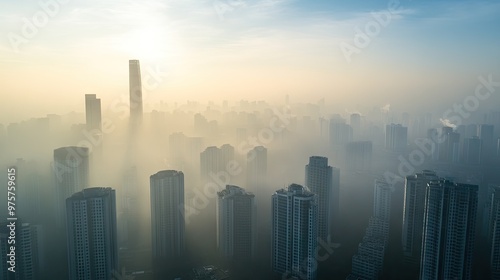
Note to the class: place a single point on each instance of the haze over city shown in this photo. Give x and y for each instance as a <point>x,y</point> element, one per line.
<point>250,139</point>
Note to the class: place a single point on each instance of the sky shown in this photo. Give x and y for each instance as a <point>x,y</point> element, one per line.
<point>53,52</point>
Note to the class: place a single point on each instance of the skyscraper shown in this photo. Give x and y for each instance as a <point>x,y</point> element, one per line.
<point>413,214</point>
<point>71,175</point>
<point>486,134</point>
<point>368,262</point>
<point>382,200</point>
<point>295,231</point>
<point>448,230</point>
<point>28,253</point>
<point>236,227</point>
<point>319,179</point>
<point>214,160</point>
<point>91,230</point>
<point>471,153</point>
<point>167,215</point>
<point>494,233</point>
<point>93,112</point>
<point>135,87</point>
<point>355,122</point>
<point>257,167</point>
<point>396,138</point>
<point>340,133</point>
<point>359,155</point>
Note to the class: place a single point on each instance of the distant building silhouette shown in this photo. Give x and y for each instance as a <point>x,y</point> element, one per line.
<point>448,231</point>
<point>355,122</point>
<point>359,155</point>
<point>135,87</point>
<point>449,147</point>
<point>71,175</point>
<point>257,167</point>
<point>368,262</point>
<point>214,160</point>
<point>382,201</point>
<point>167,215</point>
<point>486,134</point>
<point>295,231</point>
<point>498,150</point>
<point>93,112</point>
<point>396,138</point>
<point>472,151</point>
<point>91,230</point>
<point>236,224</point>
<point>340,133</point>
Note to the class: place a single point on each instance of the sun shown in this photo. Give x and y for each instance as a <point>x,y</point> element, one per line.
<point>149,43</point>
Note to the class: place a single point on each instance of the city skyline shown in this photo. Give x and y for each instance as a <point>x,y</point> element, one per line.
<point>250,139</point>
<point>181,41</point>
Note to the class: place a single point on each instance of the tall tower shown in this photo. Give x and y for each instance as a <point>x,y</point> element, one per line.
<point>91,230</point>
<point>236,214</point>
<point>71,170</point>
<point>413,214</point>
<point>135,87</point>
<point>448,230</point>
<point>93,112</point>
<point>319,181</point>
<point>494,233</point>
<point>167,215</point>
<point>295,231</point>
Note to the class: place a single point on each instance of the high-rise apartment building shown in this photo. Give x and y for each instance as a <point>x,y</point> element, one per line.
<point>214,160</point>
<point>167,215</point>
<point>448,230</point>
<point>257,167</point>
<point>28,262</point>
<point>91,231</point>
<point>294,232</point>
<point>71,175</point>
<point>340,133</point>
<point>236,227</point>
<point>319,180</point>
<point>93,112</point>
<point>413,214</point>
<point>494,233</point>
<point>382,194</point>
<point>396,138</point>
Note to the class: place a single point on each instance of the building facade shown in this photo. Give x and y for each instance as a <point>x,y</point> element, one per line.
<point>294,232</point>
<point>236,226</point>
<point>92,234</point>
<point>413,214</point>
<point>319,179</point>
<point>448,231</point>
<point>167,215</point>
